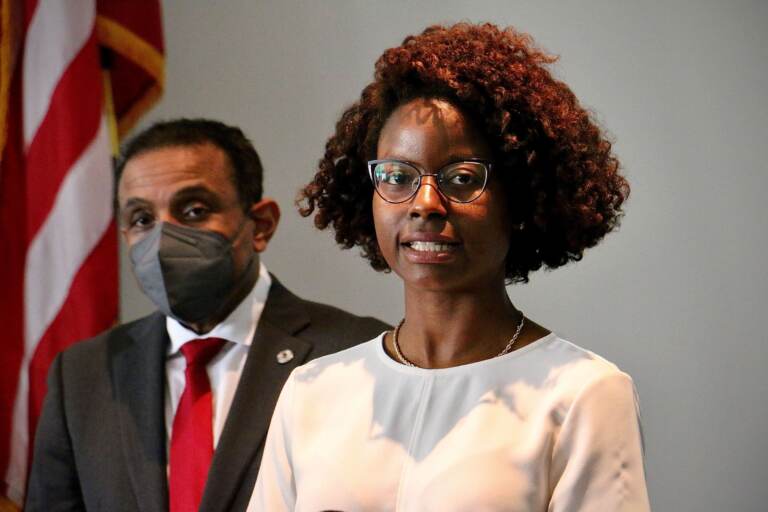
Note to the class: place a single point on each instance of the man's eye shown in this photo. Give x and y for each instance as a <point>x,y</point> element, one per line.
<point>141,220</point>
<point>195,212</point>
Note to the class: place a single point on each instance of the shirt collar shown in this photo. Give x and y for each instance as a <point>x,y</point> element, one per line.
<point>238,327</point>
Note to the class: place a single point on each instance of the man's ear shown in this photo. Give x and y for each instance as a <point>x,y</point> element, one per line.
<point>265,215</point>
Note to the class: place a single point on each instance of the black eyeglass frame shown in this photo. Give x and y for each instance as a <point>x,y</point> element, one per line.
<point>422,174</point>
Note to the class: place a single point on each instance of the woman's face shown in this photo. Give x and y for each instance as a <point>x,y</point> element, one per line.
<point>430,242</point>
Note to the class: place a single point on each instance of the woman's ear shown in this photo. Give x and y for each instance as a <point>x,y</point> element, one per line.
<point>265,215</point>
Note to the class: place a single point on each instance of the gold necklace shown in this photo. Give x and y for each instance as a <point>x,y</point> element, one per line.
<point>407,362</point>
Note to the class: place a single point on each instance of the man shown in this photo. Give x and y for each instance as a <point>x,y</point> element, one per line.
<point>132,416</point>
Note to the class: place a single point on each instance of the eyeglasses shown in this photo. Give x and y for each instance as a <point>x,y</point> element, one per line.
<point>396,181</point>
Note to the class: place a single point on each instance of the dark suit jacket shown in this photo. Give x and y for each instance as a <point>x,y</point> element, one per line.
<point>101,439</point>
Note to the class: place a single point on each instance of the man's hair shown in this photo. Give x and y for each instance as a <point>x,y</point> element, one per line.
<point>246,166</point>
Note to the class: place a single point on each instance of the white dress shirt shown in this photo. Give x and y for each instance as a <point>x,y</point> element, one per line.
<point>225,368</point>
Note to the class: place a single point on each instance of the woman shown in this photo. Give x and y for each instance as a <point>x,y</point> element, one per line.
<point>463,167</point>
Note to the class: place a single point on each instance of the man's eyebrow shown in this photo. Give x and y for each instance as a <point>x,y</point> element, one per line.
<point>181,194</point>
<point>133,202</point>
<point>194,190</point>
<point>196,193</point>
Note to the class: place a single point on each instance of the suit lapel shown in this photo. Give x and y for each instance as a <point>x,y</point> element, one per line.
<point>233,469</point>
<point>139,371</point>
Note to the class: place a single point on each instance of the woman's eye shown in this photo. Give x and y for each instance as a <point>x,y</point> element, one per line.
<point>397,178</point>
<point>393,174</point>
<point>461,179</point>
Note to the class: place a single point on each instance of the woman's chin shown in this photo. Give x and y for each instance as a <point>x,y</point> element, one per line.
<point>434,278</point>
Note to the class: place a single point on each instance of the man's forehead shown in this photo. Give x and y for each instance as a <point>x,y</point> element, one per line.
<point>204,156</point>
<point>166,169</point>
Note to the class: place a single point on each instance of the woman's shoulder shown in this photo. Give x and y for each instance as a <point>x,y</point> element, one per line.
<point>572,370</point>
<point>566,351</point>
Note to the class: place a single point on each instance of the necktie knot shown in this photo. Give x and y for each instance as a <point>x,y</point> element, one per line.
<point>200,352</point>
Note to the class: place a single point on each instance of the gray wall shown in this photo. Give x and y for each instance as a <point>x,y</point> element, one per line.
<point>676,297</point>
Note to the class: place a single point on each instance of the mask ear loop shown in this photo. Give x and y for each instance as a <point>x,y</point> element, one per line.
<point>240,228</point>
<point>253,259</point>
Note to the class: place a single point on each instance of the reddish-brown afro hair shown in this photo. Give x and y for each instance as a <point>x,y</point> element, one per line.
<point>556,165</point>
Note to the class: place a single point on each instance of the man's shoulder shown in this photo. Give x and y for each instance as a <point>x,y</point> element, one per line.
<point>332,329</point>
<point>326,313</point>
<point>87,368</point>
<point>341,328</point>
<point>114,338</point>
<point>329,328</point>
<point>322,314</point>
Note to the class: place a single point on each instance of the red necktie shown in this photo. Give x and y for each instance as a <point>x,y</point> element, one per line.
<point>192,435</point>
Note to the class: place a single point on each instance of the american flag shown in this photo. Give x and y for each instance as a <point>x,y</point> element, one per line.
<point>75,75</point>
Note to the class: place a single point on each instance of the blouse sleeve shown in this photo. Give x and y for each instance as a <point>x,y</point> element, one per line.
<point>275,488</point>
<point>598,456</point>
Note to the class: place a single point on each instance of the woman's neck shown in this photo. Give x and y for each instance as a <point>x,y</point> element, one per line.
<point>444,329</point>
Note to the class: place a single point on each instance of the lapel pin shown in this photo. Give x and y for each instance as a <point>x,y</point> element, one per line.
<point>284,356</point>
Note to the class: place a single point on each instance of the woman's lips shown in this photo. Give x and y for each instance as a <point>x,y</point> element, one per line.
<point>429,246</point>
<point>423,251</point>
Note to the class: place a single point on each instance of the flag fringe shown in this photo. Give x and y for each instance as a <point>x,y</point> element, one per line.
<point>6,67</point>
<point>118,38</point>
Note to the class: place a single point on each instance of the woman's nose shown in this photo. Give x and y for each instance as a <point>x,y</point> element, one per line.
<point>428,201</point>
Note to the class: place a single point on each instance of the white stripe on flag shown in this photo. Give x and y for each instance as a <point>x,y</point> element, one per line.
<point>57,32</point>
<point>80,215</point>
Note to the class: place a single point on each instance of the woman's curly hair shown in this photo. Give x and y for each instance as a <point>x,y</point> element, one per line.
<point>561,178</point>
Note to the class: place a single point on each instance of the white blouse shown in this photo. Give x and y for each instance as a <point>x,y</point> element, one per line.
<point>548,427</point>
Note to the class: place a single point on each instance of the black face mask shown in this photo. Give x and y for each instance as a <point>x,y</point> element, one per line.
<point>188,273</point>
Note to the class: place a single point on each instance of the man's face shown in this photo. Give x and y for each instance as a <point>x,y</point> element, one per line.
<point>191,186</point>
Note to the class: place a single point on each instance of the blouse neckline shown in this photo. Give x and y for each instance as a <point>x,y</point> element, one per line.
<point>463,368</point>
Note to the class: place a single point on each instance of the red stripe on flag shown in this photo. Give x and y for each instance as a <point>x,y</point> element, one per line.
<point>90,307</point>
<point>13,249</point>
<point>30,179</point>
<point>69,126</point>
<point>146,22</point>
<point>29,10</point>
